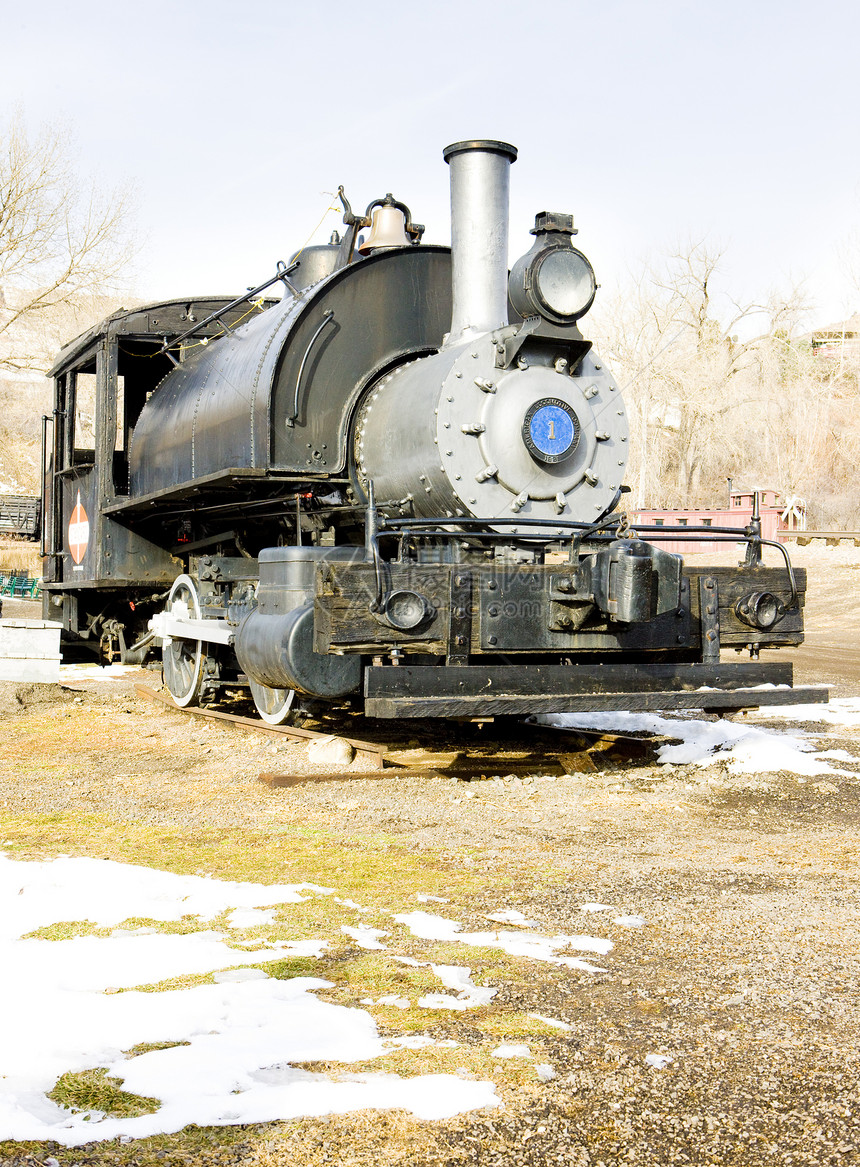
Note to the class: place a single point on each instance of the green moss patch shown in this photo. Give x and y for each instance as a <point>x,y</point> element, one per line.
<point>94,1090</point>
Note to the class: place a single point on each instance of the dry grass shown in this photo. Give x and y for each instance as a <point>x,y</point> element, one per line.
<point>383,873</point>
<point>17,556</point>
<point>94,1090</point>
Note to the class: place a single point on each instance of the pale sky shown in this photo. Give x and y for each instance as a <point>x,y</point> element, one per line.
<point>652,122</point>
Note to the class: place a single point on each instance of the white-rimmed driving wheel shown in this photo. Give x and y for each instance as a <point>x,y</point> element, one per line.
<point>182,660</point>
<point>273,705</point>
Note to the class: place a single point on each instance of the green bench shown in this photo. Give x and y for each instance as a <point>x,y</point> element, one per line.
<point>21,587</point>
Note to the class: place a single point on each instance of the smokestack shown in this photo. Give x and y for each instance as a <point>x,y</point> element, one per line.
<point>480,186</point>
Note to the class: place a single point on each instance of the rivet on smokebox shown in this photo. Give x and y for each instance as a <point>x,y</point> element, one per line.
<point>331,751</point>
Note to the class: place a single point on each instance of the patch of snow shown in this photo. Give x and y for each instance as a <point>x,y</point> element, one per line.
<point>554,1022</point>
<point>250,917</point>
<point>743,747</point>
<point>106,893</point>
<point>429,926</point>
<point>511,1051</point>
<point>351,904</point>
<point>235,976</point>
<point>630,921</point>
<point>442,1001</point>
<point>839,711</point>
<point>536,947</point>
<point>459,978</point>
<point>76,1008</point>
<point>512,916</point>
<point>545,1072</point>
<point>365,936</point>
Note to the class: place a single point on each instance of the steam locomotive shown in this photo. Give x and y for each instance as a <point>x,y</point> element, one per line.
<point>392,488</point>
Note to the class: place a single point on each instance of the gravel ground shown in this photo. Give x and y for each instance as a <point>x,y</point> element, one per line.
<point>744,978</point>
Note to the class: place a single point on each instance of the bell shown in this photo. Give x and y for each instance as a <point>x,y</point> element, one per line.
<point>387,229</point>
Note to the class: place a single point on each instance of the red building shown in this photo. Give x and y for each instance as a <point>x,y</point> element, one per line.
<point>837,341</point>
<point>777,515</point>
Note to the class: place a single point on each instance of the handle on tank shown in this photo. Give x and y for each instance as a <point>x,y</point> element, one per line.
<point>327,319</point>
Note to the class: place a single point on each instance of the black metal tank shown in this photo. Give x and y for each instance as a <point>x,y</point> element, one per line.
<point>278,393</point>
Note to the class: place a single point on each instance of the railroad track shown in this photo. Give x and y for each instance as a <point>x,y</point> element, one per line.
<point>546,750</point>
<point>374,752</point>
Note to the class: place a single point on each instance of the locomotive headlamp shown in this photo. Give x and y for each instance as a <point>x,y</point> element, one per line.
<point>553,280</point>
<point>760,610</point>
<point>405,610</point>
<point>562,283</point>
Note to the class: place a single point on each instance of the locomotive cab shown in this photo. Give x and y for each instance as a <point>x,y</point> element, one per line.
<point>98,570</point>
<point>395,489</point>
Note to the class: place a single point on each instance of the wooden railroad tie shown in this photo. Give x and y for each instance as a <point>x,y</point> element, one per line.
<point>559,752</point>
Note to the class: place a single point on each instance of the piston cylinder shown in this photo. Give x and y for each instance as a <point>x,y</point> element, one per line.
<point>274,643</point>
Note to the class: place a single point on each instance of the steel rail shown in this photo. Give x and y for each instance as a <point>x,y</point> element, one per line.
<point>374,751</point>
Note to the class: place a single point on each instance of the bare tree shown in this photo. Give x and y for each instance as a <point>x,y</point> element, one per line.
<point>848,255</point>
<point>809,430</point>
<point>64,253</point>
<point>60,246</point>
<point>693,388</point>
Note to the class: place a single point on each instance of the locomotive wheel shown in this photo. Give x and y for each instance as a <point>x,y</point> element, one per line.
<point>273,705</point>
<point>182,660</point>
